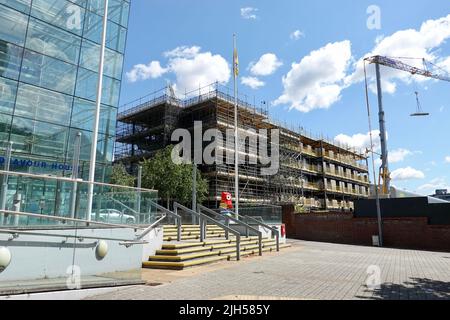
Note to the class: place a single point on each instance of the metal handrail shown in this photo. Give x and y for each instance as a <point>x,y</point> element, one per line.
<point>201,208</point>
<point>150,228</point>
<point>15,234</point>
<point>170,213</point>
<point>87,222</point>
<point>274,230</point>
<point>203,218</point>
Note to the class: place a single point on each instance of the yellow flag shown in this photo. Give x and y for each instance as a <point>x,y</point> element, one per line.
<point>236,63</point>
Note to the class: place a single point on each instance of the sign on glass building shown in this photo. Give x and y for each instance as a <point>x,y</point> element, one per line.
<point>49,55</point>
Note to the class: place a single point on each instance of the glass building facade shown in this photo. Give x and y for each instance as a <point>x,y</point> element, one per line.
<point>49,55</point>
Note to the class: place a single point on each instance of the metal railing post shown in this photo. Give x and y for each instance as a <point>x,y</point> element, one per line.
<point>202,230</point>
<point>277,235</point>
<point>4,187</point>
<point>178,220</point>
<point>16,207</point>
<point>260,244</point>
<point>227,223</point>
<point>238,247</point>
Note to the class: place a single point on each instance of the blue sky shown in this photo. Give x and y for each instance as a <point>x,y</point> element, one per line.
<point>311,77</point>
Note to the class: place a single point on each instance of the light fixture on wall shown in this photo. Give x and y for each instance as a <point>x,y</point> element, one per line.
<point>101,250</point>
<point>5,258</point>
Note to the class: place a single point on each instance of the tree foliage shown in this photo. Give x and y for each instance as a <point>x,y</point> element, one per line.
<point>173,181</point>
<point>121,177</point>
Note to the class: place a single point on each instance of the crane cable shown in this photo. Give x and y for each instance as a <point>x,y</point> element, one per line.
<point>377,185</point>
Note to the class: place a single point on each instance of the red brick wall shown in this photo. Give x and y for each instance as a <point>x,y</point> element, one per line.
<point>407,233</point>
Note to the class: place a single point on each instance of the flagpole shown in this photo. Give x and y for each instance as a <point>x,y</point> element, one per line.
<point>236,132</point>
<point>93,159</point>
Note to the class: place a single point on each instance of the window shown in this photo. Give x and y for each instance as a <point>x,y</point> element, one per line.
<point>10,56</point>
<point>61,13</point>
<point>53,41</point>
<point>48,72</point>
<point>83,117</point>
<point>40,104</point>
<point>5,125</point>
<point>21,5</point>
<point>38,138</point>
<point>12,26</point>
<point>90,55</point>
<point>87,87</point>
<point>8,90</point>
<point>117,10</point>
<point>115,34</point>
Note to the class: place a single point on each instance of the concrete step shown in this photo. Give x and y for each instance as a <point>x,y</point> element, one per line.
<point>209,247</point>
<point>194,237</point>
<point>192,233</point>
<point>208,253</point>
<point>189,228</point>
<point>184,255</point>
<point>180,265</point>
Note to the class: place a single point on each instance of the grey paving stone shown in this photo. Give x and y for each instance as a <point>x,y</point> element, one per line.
<point>314,271</point>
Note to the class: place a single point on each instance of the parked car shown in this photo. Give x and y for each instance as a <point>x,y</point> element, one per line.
<point>113,216</point>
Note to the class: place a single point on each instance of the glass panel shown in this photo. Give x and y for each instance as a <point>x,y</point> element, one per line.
<point>5,126</point>
<point>21,5</point>
<point>83,114</point>
<point>12,26</point>
<point>53,41</point>
<point>93,27</point>
<point>118,10</point>
<point>115,36</point>
<point>44,105</point>
<point>111,91</point>
<point>50,197</point>
<point>83,117</point>
<point>8,90</point>
<point>38,138</point>
<point>90,56</point>
<point>60,13</point>
<point>10,57</point>
<point>104,152</point>
<point>48,72</point>
<point>87,84</point>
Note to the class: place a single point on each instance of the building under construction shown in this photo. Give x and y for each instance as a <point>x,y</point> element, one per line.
<point>314,173</point>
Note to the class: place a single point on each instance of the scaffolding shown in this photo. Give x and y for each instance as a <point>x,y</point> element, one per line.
<point>314,173</point>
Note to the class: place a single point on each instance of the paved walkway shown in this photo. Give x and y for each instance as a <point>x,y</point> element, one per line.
<point>309,270</point>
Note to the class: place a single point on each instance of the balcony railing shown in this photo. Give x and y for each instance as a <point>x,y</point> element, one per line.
<point>359,179</point>
<point>345,160</point>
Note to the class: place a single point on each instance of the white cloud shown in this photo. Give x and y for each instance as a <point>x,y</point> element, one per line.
<point>252,82</point>
<point>296,35</point>
<point>422,43</point>
<point>195,70</point>
<point>316,81</point>
<point>146,71</point>
<point>266,65</point>
<point>441,109</point>
<point>407,173</point>
<point>399,155</point>
<point>249,13</point>
<point>435,184</point>
<point>447,159</point>
<point>191,68</point>
<point>183,52</point>
<point>360,141</point>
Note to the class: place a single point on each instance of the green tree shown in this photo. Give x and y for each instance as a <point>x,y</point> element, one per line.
<point>121,177</point>
<point>173,181</point>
